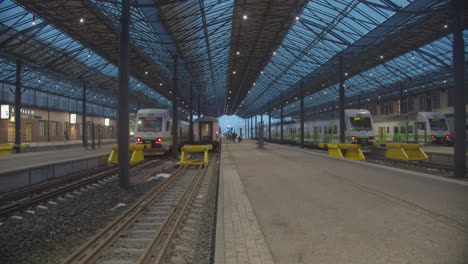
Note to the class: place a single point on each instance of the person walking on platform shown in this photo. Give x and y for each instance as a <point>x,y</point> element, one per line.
<point>65,134</point>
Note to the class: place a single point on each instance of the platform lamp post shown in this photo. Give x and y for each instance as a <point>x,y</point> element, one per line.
<point>460,96</point>
<point>18,104</point>
<point>342,101</point>
<point>301,85</point>
<point>123,112</point>
<point>281,116</point>
<point>175,148</point>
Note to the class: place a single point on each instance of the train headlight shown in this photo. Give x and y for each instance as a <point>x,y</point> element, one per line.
<point>353,138</point>
<point>138,139</point>
<point>159,139</point>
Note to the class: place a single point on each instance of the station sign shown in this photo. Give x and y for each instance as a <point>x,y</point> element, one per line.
<point>5,112</point>
<point>106,122</point>
<point>72,118</point>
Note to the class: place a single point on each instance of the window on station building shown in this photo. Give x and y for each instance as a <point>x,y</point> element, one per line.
<point>391,106</point>
<point>410,104</point>
<point>42,128</point>
<point>53,128</point>
<point>436,100</point>
<point>450,97</point>
<point>382,108</point>
<point>422,102</point>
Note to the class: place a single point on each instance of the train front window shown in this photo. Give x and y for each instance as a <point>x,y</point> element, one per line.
<point>150,124</point>
<point>438,124</point>
<point>361,123</point>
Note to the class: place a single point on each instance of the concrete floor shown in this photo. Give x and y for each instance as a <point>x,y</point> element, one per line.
<point>313,208</point>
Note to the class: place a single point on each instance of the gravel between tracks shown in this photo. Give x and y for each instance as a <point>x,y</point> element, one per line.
<point>51,234</point>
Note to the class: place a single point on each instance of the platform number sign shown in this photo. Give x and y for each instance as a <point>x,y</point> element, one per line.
<point>5,112</point>
<point>106,122</point>
<point>72,118</point>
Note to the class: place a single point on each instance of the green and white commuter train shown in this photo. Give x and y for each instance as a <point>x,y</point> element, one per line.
<point>153,126</point>
<point>418,127</point>
<point>325,129</point>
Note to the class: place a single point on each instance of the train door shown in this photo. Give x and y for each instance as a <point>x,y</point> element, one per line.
<point>396,134</point>
<point>28,132</point>
<point>382,135</point>
<point>420,132</point>
<point>11,132</point>
<point>206,131</point>
<point>316,135</point>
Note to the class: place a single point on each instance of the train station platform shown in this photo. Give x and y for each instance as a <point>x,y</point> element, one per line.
<point>23,169</point>
<point>286,205</point>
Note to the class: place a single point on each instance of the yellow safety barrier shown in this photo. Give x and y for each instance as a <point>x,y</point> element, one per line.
<point>322,145</point>
<point>114,156</point>
<point>334,150</point>
<point>405,151</point>
<point>10,149</point>
<point>353,151</point>
<point>6,150</point>
<point>195,148</point>
<point>137,153</point>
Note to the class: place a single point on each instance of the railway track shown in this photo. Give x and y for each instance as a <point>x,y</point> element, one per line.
<point>421,164</point>
<point>29,197</point>
<point>146,230</point>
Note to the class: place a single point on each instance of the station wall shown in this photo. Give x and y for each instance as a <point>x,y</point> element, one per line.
<point>39,125</point>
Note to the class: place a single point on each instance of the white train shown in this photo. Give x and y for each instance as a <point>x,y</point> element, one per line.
<point>325,129</point>
<point>153,126</point>
<point>206,130</point>
<point>419,127</point>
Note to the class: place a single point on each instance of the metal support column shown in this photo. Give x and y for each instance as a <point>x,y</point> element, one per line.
<point>256,127</point>
<point>191,114</point>
<point>199,106</point>
<point>175,148</point>
<point>269,124</point>
<point>460,96</point>
<point>401,98</point>
<point>302,114</point>
<point>18,104</point>
<point>251,127</point>
<point>281,116</point>
<point>261,128</point>
<point>84,126</point>
<point>245,127</point>
<point>342,101</point>
<point>93,136</point>
<point>123,113</point>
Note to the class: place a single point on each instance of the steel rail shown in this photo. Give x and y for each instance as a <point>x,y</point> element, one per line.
<point>90,252</point>
<point>20,194</point>
<point>108,172</point>
<point>176,215</point>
